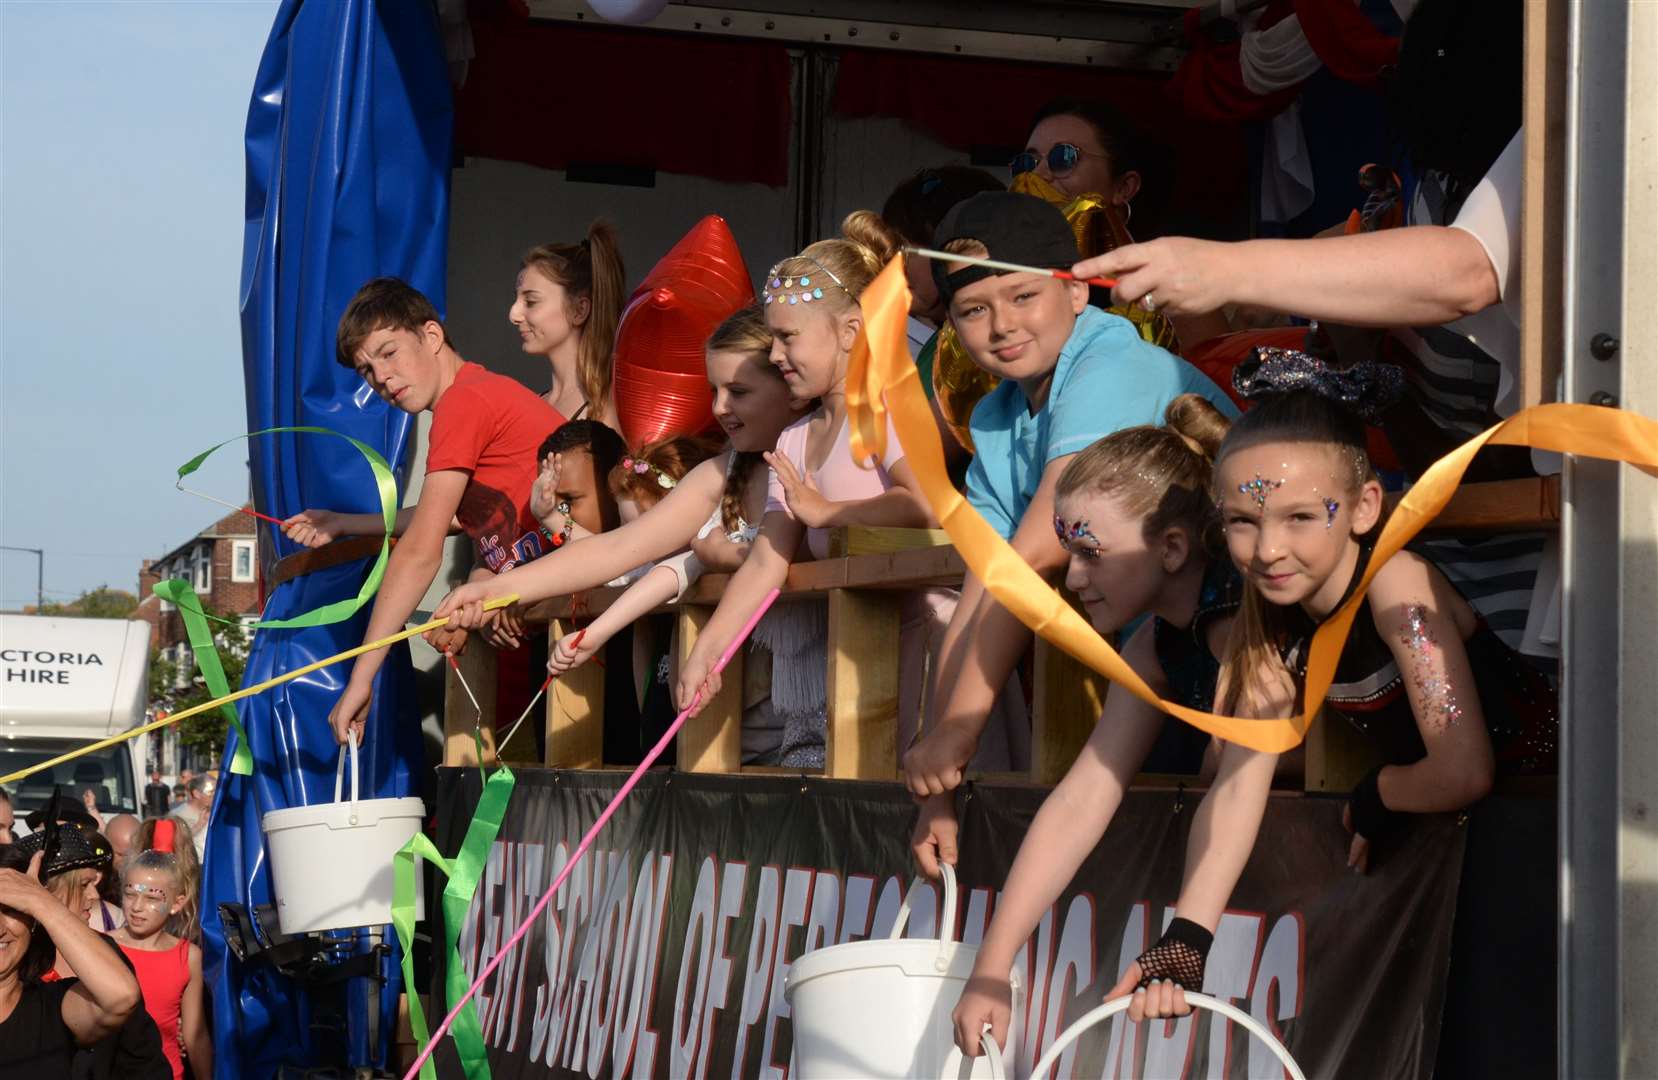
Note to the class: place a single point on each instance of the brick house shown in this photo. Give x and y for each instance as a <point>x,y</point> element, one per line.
<point>222,562</point>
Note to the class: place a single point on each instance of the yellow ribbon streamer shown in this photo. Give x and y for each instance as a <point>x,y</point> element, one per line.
<point>881,376</point>
<point>247,691</point>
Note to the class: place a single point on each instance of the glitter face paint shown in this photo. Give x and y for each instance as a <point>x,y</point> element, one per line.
<point>1330,508</point>
<point>1259,488</point>
<point>1075,537</point>
<point>1433,691</point>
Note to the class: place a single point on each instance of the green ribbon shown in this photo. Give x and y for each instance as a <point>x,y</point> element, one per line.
<point>183,595</point>
<point>464,871</point>
<point>386,483</point>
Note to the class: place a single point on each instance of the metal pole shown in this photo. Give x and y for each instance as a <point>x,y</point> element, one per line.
<point>40,572</point>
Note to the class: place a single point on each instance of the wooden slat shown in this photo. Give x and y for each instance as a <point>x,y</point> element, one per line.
<point>1500,506</point>
<point>712,740</point>
<point>1543,201</point>
<point>869,540</point>
<point>1337,756</point>
<point>1066,700</point>
<point>575,713</point>
<point>477,664</point>
<point>862,740</point>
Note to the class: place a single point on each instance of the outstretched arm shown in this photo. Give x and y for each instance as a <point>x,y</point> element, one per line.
<point>647,594</point>
<point>980,648</point>
<point>1065,830</point>
<point>1422,275</point>
<point>765,569</point>
<point>409,572</point>
<point>664,529</point>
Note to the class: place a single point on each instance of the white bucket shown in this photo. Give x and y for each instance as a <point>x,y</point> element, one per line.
<point>880,1009</point>
<point>331,864</point>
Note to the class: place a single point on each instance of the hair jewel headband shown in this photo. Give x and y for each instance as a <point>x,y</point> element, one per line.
<point>640,467</point>
<point>779,288</point>
<point>163,838</point>
<point>1366,388</point>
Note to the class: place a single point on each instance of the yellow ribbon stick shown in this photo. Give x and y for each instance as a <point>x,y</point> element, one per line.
<point>881,376</point>
<point>247,691</point>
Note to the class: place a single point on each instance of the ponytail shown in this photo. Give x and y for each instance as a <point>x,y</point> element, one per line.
<point>591,270</point>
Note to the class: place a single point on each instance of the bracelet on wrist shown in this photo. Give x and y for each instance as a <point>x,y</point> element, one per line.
<point>562,537</point>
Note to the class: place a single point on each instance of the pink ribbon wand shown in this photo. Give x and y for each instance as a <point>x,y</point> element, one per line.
<point>587,840</point>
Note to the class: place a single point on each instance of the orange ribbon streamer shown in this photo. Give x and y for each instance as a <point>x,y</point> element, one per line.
<point>881,376</point>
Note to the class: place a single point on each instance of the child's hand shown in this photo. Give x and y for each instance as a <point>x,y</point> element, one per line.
<point>464,608</point>
<point>312,528</point>
<point>698,683</point>
<point>544,492</point>
<point>350,713</point>
<point>447,639</point>
<point>717,551</point>
<point>504,627</point>
<point>986,1001</point>
<point>933,840</point>
<point>935,765</point>
<point>572,651</point>
<point>805,502</point>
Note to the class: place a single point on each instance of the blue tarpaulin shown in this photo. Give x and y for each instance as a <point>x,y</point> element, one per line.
<point>348,152</point>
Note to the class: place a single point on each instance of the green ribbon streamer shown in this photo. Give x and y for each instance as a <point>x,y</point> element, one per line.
<point>183,595</point>
<point>387,484</point>
<point>464,872</point>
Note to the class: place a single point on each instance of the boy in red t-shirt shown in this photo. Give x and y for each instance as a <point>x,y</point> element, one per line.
<point>480,464</point>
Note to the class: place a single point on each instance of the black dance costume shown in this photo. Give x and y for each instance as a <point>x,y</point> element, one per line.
<point>1519,704</point>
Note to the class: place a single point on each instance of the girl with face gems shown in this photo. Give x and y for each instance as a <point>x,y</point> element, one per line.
<point>1135,514</point>
<point>154,898</point>
<point>566,304</point>
<point>753,405</point>
<point>810,302</point>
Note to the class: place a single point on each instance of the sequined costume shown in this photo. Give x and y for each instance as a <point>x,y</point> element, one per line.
<point>1191,669</point>
<point>1519,704</point>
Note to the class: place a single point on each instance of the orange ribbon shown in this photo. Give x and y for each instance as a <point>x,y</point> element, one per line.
<point>881,376</point>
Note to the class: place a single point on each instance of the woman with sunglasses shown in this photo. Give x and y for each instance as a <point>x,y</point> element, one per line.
<point>1082,147</point>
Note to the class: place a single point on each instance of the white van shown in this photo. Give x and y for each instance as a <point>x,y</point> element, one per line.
<point>65,683</point>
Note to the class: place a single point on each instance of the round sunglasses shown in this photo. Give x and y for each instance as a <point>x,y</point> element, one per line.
<point>1062,158</point>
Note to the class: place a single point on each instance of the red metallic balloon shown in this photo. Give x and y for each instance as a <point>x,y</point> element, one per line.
<point>661,383</point>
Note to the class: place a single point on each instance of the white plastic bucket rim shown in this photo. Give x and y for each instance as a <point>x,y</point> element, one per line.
<point>881,1007</point>
<point>331,863</point>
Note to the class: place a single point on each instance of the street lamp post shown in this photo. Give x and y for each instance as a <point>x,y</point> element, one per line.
<point>40,573</point>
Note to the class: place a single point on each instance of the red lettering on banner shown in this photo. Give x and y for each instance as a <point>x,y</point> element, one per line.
<point>697,953</point>
<point>1073,972</point>
<point>797,898</point>
<point>855,908</point>
<point>733,888</point>
<point>552,944</point>
<point>1136,937</point>
<point>757,972</point>
<point>1283,959</point>
<point>1228,976</point>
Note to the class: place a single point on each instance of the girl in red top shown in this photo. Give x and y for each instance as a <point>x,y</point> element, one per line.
<point>153,897</point>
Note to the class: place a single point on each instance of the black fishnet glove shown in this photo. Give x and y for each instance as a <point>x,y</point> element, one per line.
<point>1179,956</point>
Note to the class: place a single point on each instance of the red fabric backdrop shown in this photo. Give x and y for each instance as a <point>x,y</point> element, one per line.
<point>552,94</point>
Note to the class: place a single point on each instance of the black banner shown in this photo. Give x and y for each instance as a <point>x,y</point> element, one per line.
<point>665,953</point>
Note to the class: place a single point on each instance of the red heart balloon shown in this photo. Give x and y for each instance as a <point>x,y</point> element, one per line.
<point>661,383</point>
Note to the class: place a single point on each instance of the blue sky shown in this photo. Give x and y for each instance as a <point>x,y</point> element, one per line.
<point>121,194</point>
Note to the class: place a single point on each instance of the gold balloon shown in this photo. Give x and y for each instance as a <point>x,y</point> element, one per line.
<point>958,383</point>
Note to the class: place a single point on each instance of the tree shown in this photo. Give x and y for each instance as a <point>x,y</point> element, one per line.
<point>206,731</point>
<point>100,603</point>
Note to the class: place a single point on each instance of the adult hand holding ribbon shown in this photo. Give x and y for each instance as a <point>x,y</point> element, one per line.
<point>882,376</point>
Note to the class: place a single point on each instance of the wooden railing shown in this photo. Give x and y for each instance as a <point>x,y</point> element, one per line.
<point>863,582</point>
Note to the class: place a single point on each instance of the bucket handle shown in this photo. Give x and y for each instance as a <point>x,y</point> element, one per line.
<point>339,774</point>
<point>1200,1001</point>
<point>947,925</point>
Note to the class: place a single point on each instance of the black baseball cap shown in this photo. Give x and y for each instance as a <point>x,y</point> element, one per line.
<point>1013,227</point>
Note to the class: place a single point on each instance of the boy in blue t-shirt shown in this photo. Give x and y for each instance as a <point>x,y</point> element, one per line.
<point>1071,374</point>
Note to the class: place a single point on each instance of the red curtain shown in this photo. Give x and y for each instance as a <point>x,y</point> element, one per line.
<point>552,94</point>
<point>1346,40</point>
